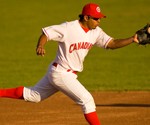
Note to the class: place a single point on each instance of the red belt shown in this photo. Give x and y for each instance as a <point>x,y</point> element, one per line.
<point>56,64</point>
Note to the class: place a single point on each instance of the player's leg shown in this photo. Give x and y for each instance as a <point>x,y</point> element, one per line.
<point>12,92</point>
<point>92,118</point>
<point>42,90</point>
<point>68,84</point>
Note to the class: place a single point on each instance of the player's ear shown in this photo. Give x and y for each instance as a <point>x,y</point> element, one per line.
<point>86,18</point>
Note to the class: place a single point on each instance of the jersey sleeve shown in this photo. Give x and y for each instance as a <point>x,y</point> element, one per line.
<point>102,39</point>
<point>55,32</point>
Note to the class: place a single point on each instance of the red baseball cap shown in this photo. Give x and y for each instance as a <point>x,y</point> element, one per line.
<point>93,10</point>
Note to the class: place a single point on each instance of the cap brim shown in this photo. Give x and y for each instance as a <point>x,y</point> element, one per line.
<point>101,16</point>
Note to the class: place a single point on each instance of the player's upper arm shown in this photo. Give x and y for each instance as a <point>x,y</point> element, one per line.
<point>55,32</point>
<point>102,38</point>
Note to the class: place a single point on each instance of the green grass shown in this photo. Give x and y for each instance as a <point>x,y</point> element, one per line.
<point>122,69</point>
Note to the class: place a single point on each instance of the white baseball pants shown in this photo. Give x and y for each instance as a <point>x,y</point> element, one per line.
<point>58,79</point>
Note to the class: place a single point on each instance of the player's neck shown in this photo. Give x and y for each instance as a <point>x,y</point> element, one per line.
<point>84,26</point>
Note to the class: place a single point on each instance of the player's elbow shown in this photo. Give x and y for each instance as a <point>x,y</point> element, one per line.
<point>113,45</point>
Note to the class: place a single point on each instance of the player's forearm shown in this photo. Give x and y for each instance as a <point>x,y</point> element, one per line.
<point>118,43</point>
<point>40,46</point>
<point>42,41</point>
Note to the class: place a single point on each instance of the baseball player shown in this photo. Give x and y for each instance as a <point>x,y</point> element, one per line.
<point>75,39</point>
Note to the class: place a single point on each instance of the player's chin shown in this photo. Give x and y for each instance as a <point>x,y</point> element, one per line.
<point>94,27</point>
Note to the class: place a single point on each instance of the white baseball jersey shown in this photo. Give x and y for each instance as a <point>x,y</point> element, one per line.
<point>74,43</point>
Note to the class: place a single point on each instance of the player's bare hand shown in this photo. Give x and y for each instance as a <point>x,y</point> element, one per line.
<point>40,51</point>
<point>135,39</point>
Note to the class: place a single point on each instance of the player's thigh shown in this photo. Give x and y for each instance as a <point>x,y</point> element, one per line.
<point>68,84</point>
<point>45,88</point>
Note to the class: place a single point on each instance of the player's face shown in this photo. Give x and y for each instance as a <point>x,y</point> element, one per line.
<point>92,23</point>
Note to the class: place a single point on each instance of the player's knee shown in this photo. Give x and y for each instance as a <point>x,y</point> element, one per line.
<point>88,105</point>
<point>31,95</point>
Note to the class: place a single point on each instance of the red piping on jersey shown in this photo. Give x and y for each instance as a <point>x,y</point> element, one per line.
<point>85,29</point>
<point>107,42</point>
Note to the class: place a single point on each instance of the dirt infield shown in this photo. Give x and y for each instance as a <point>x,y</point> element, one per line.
<point>114,108</point>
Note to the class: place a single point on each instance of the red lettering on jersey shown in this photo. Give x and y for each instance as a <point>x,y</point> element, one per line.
<point>80,45</point>
<point>86,45</point>
<point>75,47</point>
<point>71,48</point>
<point>90,46</point>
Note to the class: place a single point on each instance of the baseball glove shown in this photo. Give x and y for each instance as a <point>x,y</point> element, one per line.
<point>143,35</point>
